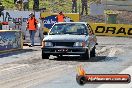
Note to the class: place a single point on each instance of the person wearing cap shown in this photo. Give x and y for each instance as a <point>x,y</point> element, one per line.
<point>60,17</point>
<point>32,27</point>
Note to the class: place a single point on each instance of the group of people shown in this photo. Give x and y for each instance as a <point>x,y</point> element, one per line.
<point>84,6</point>
<point>24,4</point>
<point>21,4</point>
<point>33,25</point>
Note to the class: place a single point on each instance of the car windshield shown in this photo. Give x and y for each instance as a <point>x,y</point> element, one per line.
<point>69,28</point>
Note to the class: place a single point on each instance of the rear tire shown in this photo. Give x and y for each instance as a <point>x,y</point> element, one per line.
<point>92,53</point>
<point>44,56</point>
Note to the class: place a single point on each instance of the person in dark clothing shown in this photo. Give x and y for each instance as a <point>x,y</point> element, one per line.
<point>26,5</point>
<point>74,6</point>
<point>84,5</point>
<point>15,1</point>
<point>36,5</point>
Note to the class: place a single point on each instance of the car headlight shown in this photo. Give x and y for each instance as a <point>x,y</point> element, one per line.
<point>82,44</point>
<point>48,44</point>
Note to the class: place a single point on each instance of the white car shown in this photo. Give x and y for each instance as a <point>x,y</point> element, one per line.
<point>69,38</point>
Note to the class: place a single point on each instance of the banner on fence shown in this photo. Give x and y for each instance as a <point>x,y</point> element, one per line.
<point>112,29</point>
<point>50,18</point>
<point>10,40</point>
<point>17,19</point>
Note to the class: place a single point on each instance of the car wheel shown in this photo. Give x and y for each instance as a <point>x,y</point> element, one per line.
<point>45,56</point>
<point>92,53</point>
<point>86,56</point>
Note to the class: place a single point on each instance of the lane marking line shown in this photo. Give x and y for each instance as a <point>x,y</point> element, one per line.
<point>14,68</point>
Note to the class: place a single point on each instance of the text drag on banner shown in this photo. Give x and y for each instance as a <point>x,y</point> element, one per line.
<point>112,29</point>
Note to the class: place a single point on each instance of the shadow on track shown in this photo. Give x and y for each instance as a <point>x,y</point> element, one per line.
<point>7,54</point>
<point>93,59</point>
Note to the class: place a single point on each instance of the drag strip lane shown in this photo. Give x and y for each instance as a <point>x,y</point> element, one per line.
<point>33,78</point>
<point>30,69</point>
<point>129,85</point>
<point>22,73</point>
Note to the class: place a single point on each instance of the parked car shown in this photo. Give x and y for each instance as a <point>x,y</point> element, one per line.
<point>69,38</point>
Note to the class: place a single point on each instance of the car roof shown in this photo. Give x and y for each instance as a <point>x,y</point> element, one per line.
<point>71,23</point>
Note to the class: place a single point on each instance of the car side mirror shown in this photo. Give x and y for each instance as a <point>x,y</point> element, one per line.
<point>45,33</point>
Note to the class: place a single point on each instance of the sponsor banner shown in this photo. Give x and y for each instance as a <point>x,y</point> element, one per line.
<point>10,40</point>
<point>82,77</point>
<point>50,18</point>
<point>17,19</point>
<point>112,29</point>
<point>103,78</point>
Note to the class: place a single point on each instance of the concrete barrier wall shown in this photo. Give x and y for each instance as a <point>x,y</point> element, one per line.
<point>122,30</point>
<point>10,40</point>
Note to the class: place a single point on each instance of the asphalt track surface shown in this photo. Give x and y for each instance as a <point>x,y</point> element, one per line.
<point>26,68</point>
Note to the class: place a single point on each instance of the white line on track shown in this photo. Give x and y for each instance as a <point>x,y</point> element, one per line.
<point>34,78</point>
<point>14,68</point>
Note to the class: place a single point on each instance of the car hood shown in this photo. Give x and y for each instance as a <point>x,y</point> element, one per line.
<point>65,38</point>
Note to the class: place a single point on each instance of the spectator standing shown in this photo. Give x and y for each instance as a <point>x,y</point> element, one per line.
<point>32,27</point>
<point>36,5</point>
<point>74,6</point>
<point>19,4</point>
<point>60,17</point>
<point>26,5</point>
<point>15,1</point>
<point>84,6</point>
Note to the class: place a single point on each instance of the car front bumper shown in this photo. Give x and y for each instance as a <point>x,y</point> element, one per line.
<point>64,50</point>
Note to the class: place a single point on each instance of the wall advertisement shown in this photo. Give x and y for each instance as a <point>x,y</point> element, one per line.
<point>112,29</point>
<point>10,40</point>
<point>49,19</point>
